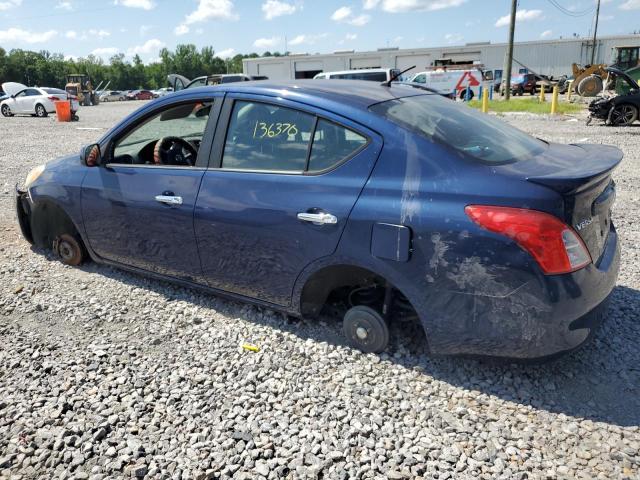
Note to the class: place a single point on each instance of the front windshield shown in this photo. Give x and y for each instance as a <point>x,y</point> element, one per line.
<point>473,134</point>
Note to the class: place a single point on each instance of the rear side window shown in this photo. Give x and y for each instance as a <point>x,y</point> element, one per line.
<point>332,144</point>
<point>267,137</point>
<point>270,138</point>
<point>470,133</point>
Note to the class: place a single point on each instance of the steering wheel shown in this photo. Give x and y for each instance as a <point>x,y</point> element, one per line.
<point>174,151</point>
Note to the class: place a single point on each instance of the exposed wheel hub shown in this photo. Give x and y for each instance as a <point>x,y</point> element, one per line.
<point>362,333</point>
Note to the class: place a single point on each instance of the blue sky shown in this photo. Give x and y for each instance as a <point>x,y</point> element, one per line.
<point>104,27</point>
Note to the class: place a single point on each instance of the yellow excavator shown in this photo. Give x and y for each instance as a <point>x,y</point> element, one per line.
<point>589,80</point>
<point>80,86</point>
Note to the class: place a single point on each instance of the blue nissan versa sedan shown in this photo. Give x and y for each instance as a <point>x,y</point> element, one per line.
<point>388,202</point>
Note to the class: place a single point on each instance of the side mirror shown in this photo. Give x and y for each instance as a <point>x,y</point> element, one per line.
<point>90,155</point>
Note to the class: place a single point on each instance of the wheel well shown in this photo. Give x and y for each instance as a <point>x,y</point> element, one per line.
<point>48,221</point>
<point>343,286</point>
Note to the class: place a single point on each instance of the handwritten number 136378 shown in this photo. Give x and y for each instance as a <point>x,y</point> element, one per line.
<point>273,130</point>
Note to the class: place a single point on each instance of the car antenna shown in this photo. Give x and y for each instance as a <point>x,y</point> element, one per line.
<point>388,82</point>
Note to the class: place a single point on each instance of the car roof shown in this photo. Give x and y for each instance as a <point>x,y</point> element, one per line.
<point>352,93</point>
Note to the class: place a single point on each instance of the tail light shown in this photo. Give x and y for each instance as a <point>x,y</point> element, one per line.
<point>554,245</point>
<point>53,99</point>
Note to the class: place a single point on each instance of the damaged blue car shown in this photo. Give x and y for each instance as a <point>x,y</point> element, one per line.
<point>387,203</point>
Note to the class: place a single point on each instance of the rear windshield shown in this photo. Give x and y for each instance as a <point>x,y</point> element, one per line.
<point>476,135</point>
<point>52,91</point>
<point>364,75</point>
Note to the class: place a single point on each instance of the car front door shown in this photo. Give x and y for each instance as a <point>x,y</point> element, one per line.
<point>275,200</point>
<point>138,205</point>
<point>19,102</point>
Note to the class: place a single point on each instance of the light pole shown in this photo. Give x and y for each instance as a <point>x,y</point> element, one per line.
<point>512,31</point>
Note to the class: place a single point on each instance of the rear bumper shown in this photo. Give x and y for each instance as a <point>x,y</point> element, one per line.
<point>547,316</point>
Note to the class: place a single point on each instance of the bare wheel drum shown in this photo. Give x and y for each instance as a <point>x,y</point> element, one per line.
<point>365,329</point>
<point>69,249</point>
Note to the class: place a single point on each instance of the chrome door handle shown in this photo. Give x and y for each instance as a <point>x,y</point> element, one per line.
<point>318,218</point>
<point>169,199</point>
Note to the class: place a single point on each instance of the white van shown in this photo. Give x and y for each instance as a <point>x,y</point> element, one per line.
<point>373,74</point>
<point>448,79</point>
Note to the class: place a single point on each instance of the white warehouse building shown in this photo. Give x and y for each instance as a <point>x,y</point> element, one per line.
<point>546,57</point>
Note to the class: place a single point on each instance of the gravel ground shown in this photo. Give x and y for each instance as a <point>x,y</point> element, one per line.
<point>105,374</point>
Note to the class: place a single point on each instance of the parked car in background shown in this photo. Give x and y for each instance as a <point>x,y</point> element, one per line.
<point>317,193</point>
<point>180,82</point>
<point>113,96</point>
<point>370,74</point>
<point>140,95</point>
<point>3,95</point>
<point>621,108</point>
<point>161,92</point>
<point>38,101</point>
<point>466,82</point>
<point>520,84</point>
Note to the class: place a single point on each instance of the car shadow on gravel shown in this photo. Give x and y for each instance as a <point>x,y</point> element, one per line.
<point>599,382</point>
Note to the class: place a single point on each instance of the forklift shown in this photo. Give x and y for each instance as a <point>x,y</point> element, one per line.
<point>80,86</point>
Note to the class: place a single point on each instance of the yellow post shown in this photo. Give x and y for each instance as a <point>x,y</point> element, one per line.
<point>554,100</point>
<point>485,100</point>
<point>570,90</point>
<point>542,97</point>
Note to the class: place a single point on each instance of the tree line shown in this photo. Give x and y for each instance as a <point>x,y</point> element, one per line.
<point>50,69</point>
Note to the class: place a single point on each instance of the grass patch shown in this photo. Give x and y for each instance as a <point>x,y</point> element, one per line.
<point>529,105</point>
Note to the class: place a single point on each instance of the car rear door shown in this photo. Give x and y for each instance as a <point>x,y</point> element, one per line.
<point>141,214</point>
<point>262,215</point>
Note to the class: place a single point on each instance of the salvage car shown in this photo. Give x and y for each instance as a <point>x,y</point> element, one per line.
<point>620,109</point>
<point>386,203</point>
<point>113,96</point>
<point>31,100</point>
<point>140,95</point>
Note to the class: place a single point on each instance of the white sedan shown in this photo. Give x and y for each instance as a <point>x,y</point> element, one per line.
<point>31,100</point>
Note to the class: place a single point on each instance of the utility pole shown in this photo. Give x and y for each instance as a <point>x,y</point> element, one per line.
<point>595,35</point>
<point>512,31</point>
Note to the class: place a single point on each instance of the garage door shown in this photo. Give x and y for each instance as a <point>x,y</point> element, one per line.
<point>368,62</point>
<point>420,61</point>
<point>275,71</point>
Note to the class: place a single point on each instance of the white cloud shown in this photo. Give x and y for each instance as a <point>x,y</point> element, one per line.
<point>546,34</point>
<point>211,10</point>
<point>148,47</point>
<point>144,29</point>
<point>64,6</point>
<point>351,36</point>
<point>19,35</point>
<point>275,8</point>
<point>9,4</point>
<point>226,53</point>
<point>143,4</point>
<point>99,33</point>
<point>630,5</point>
<point>341,14</point>
<point>345,14</point>
<point>105,52</point>
<point>266,43</point>
<point>360,20</point>
<point>72,34</point>
<point>307,39</point>
<point>400,6</point>
<point>452,38</point>
<point>523,15</point>
<point>181,30</point>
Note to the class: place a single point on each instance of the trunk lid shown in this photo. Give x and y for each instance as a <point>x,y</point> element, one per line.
<point>11,88</point>
<point>581,173</point>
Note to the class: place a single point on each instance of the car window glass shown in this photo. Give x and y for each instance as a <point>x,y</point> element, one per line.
<point>186,122</point>
<point>332,143</point>
<point>21,94</point>
<point>267,137</point>
<point>472,134</point>
<point>420,79</point>
<point>32,92</point>
<point>198,83</point>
